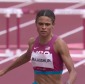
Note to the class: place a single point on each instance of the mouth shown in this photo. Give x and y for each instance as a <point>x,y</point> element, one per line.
<point>43,32</point>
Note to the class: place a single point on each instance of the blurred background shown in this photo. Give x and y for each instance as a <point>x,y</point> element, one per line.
<point>17,25</point>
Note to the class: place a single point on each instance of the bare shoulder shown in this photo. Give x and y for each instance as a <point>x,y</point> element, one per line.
<point>60,42</point>
<point>60,45</point>
<point>31,41</point>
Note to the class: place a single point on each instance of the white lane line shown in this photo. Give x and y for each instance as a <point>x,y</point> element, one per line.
<point>72,32</point>
<point>22,5</point>
<point>77,55</point>
<point>75,65</point>
<point>33,21</point>
<point>64,71</point>
<point>72,55</point>
<point>11,58</point>
<point>76,6</point>
<point>15,27</point>
<point>60,1</point>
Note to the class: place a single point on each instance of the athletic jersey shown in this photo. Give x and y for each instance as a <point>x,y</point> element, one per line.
<point>44,58</point>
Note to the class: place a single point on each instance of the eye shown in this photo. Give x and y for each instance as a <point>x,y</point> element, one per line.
<point>40,23</point>
<point>47,24</point>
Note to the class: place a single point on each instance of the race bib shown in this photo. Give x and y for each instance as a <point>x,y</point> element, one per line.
<point>42,60</point>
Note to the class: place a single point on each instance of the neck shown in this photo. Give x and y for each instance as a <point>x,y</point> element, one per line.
<point>44,40</point>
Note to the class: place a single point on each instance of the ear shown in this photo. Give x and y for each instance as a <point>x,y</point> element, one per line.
<point>53,25</point>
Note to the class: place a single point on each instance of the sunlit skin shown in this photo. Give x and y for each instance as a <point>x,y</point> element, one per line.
<point>44,27</point>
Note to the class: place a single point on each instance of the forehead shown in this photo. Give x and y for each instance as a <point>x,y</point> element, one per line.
<point>44,19</point>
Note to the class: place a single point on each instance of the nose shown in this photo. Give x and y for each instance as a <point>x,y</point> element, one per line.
<point>44,26</point>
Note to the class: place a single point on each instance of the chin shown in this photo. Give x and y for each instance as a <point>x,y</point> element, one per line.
<point>43,35</point>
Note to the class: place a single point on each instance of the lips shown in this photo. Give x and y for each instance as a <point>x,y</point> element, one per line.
<point>43,31</point>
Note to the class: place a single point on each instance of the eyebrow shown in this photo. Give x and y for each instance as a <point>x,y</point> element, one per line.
<point>41,23</point>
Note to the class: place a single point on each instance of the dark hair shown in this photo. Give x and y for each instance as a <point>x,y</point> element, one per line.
<point>46,12</point>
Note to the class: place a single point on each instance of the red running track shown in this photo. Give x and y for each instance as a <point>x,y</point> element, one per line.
<point>24,73</point>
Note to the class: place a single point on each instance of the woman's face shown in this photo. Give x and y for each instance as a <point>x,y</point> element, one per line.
<point>44,25</point>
